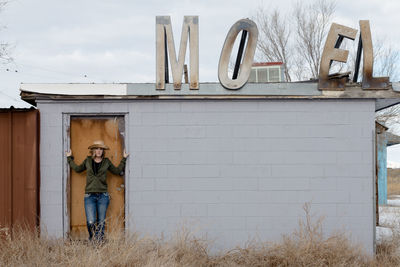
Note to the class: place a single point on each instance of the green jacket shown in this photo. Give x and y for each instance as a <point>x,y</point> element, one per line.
<point>96,183</point>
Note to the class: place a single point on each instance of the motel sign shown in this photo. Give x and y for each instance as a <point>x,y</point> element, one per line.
<point>165,49</point>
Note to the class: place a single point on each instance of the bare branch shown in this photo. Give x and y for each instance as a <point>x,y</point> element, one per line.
<point>385,59</point>
<point>5,48</point>
<point>299,44</point>
<point>274,38</point>
<point>389,116</point>
<point>312,24</point>
<point>387,62</point>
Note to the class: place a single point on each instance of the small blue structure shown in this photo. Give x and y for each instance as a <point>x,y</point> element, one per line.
<point>381,163</point>
<point>383,140</point>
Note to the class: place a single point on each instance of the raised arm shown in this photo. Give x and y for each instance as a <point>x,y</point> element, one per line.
<point>74,166</point>
<point>118,170</point>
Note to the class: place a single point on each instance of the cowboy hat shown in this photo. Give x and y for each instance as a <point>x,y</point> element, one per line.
<point>98,144</point>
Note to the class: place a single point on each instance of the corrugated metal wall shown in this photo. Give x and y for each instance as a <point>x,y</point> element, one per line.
<point>19,167</point>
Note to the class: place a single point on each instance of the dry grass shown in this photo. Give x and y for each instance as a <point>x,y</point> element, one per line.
<point>307,246</point>
<point>388,251</point>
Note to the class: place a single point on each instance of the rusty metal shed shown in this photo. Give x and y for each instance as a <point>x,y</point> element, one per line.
<point>19,165</point>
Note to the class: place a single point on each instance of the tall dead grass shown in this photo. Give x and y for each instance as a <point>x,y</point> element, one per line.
<point>388,250</point>
<point>307,246</point>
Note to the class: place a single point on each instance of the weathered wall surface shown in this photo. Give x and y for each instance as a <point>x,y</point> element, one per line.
<point>234,169</point>
<point>19,168</point>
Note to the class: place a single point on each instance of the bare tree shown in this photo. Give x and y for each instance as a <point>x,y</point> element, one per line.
<point>299,44</point>
<point>5,48</point>
<point>312,22</point>
<point>274,42</point>
<point>297,38</point>
<point>385,59</point>
<point>389,117</point>
<point>385,65</point>
<point>387,62</point>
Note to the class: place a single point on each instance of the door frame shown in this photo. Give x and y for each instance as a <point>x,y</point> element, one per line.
<point>66,119</point>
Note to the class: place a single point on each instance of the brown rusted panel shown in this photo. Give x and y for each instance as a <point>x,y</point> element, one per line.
<point>25,168</point>
<point>19,160</point>
<point>19,164</point>
<point>5,169</point>
<point>83,131</point>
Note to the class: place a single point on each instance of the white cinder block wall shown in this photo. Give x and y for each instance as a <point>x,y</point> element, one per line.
<point>234,169</point>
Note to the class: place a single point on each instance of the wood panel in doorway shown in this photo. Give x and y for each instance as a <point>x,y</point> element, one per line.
<point>83,131</point>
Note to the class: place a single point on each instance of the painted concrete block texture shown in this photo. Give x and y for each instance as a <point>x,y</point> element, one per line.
<point>233,170</point>
<point>242,169</point>
<point>51,169</point>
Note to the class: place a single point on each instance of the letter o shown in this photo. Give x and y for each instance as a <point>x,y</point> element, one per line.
<point>244,74</point>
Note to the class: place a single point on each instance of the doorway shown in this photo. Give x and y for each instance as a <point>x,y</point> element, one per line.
<point>83,131</point>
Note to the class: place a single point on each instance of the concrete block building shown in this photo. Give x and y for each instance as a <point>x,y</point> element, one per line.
<point>230,165</point>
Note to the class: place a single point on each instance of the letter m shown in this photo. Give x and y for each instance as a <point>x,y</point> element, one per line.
<point>164,39</point>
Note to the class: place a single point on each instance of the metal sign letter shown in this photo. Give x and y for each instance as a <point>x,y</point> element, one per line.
<point>244,73</point>
<point>368,81</point>
<point>331,53</point>
<point>190,29</point>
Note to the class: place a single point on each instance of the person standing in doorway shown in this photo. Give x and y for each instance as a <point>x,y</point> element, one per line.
<point>97,197</point>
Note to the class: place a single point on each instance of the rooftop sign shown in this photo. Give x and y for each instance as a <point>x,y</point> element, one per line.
<point>235,87</point>
<point>165,49</point>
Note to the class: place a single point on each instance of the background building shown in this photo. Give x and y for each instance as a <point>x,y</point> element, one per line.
<point>267,72</point>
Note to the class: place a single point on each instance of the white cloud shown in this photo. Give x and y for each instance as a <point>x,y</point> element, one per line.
<point>115,40</point>
<point>98,65</point>
<point>109,31</point>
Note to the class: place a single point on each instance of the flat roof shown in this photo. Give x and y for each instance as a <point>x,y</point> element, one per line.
<point>31,92</point>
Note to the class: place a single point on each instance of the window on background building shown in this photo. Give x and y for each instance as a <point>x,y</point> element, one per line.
<point>266,72</point>
<point>273,75</point>
<point>262,75</point>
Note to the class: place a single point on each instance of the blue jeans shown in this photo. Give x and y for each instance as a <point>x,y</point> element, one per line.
<point>96,205</point>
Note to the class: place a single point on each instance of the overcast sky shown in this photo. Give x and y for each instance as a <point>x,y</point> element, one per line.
<point>114,40</point>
